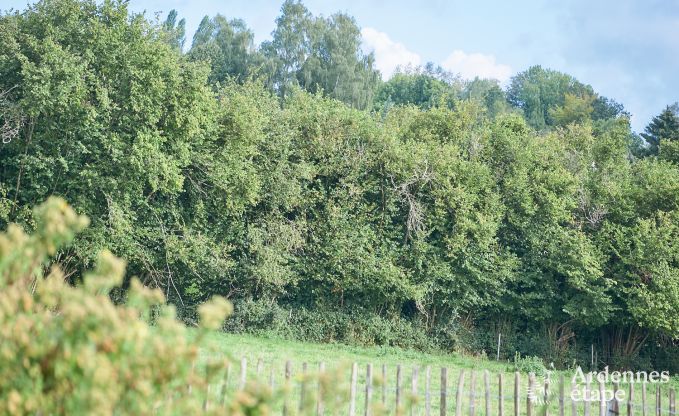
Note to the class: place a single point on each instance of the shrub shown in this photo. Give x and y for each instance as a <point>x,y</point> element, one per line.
<point>529,364</point>
<point>70,350</point>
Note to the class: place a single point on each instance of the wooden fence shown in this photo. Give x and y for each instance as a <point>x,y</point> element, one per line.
<point>370,390</point>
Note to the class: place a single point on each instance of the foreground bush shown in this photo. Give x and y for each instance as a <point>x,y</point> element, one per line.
<point>70,350</point>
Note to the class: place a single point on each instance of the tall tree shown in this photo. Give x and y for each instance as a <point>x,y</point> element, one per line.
<point>664,126</point>
<point>228,45</point>
<point>424,87</point>
<point>320,54</point>
<point>538,92</point>
<point>176,29</point>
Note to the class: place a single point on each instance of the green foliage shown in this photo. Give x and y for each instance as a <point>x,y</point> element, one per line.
<point>228,46</point>
<point>548,98</point>
<point>423,87</point>
<point>70,350</point>
<point>444,206</point>
<point>664,126</point>
<point>528,365</point>
<point>319,54</point>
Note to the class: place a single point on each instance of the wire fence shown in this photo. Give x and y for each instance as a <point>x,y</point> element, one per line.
<point>413,390</point>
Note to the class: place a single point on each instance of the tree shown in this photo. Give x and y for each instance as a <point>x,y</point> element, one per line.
<point>320,54</point>
<point>424,87</point>
<point>176,30</point>
<point>538,92</point>
<point>228,46</point>
<point>664,126</point>
<point>574,109</point>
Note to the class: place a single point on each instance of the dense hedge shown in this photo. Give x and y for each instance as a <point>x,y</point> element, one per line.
<point>392,227</point>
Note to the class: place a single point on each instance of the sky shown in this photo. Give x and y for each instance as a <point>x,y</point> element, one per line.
<point>627,50</point>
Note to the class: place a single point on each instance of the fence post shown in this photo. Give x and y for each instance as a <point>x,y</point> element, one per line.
<point>530,395</point>
<point>260,365</point>
<point>206,402</point>
<point>272,377</point>
<point>602,402</point>
<point>472,394</point>
<point>517,389</point>
<point>414,391</point>
<point>368,388</point>
<point>588,394</point>
<point>673,403</point>
<point>302,388</point>
<point>658,401</point>
<point>398,387</point>
<point>444,383</point>
<point>320,405</point>
<point>189,388</point>
<point>486,384</point>
<point>243,373</point>
<point>643,398</point>
<point>574,404</point>
<point>562,395</point>
<point>501,396</point>
<point>288,373</point>
<point>546,397</point>
<point>427,391</point>
<point>225,382</point>
<point>630,400</point>
<point>616,403</point>
<point>384,385</point>
<point>352,392</point>
<point>458,394</point>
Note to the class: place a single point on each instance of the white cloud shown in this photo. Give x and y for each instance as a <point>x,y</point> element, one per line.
<point>388,54</point>
<point>476,65</point>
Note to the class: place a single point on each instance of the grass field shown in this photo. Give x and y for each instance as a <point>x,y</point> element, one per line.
<point>273,353</point>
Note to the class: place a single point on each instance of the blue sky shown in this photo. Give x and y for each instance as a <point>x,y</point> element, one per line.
<point>626,49</point>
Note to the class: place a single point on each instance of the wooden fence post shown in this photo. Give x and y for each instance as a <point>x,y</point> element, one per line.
<point>643,399</point>
<point>260,366</point>
<point>602,402</point>
<point>531,394</point>
<point>225,382</point>
<point>472,393</point>
<point>384,385</point>
<point>517,389</point>
<point>501,396</point>
<point>414,390</point>
<point>320,403</point>
<point>399,377</point>
<point>368,388</point>
<point>588,394</point>
<point>486,384</point>
<point>459,394</point>
<point>302,388</point>
<point>574,404</point>
<point>616,403</point>
<point>427,391</point>
<point>288,374</point>
<point>243,373</point>
<point>673,403</point>
<point>562,395</point>
<point>272,376</point>
<point>444,383</point>
<point>546,397</point>
<point>630,400</point>
<point>189,388</point>
<point>658,401</point>
<point>352,391</point>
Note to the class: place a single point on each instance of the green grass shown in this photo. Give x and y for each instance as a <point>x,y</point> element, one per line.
<point>266,359</point>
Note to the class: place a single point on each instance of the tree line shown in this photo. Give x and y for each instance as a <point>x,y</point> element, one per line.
<point>292,180</point>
